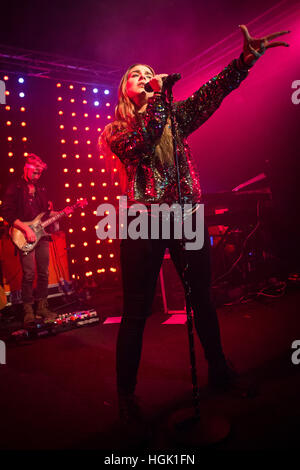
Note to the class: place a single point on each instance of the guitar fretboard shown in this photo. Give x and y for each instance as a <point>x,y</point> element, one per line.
<point>79,203</point>
<point>52,219</point>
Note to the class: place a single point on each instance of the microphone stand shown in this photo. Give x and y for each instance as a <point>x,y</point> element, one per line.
<point>189,426</point>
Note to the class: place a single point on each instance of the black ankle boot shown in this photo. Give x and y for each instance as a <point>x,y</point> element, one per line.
<point>220,373</point>
<point>224,378</point>
<point>134,429</point>
<point>129,409</point>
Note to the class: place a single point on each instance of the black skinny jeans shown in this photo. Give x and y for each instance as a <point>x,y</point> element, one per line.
<point>141,262</point>
<point>36,259</point>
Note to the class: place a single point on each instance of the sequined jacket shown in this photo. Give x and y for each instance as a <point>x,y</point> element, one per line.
<point>149,181</point>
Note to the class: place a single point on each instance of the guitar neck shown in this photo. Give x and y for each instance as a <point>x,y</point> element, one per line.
<point>52,219</point>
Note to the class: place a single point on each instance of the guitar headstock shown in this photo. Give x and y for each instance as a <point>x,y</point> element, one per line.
<point>82,202</point>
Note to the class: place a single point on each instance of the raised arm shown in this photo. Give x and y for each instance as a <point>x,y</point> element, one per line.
<point>194,111</point>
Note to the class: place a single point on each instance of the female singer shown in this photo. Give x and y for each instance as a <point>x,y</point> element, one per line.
<point>141,138</point>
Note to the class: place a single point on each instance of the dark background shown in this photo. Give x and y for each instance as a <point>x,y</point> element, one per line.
<point>165,33</point>
<point>170,35</point>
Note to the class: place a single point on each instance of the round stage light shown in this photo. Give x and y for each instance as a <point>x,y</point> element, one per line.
<point>21,80</point>
<point>95,90</point>
<point>106,92</point>
<point>21,95</point>
<point>96,103</point>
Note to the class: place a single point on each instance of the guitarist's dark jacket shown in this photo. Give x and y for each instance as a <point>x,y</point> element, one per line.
<point>18,204</point>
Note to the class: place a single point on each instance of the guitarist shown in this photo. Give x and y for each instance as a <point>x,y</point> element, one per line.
<point>23,201</point>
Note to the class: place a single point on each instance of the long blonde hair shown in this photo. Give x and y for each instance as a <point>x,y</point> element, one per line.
<point>125,117</point>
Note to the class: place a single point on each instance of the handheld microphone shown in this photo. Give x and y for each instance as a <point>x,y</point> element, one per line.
<point>168,82</point>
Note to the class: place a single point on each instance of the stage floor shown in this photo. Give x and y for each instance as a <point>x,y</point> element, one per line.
<point>59,392</point>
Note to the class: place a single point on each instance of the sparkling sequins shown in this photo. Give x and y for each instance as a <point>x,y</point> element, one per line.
<point>149,181</point>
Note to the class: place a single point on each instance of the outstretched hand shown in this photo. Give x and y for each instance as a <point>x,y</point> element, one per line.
<point>254,48</point>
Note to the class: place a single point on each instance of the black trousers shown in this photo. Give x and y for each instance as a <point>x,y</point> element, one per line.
<point>37,259</point>
<point>141,262</point>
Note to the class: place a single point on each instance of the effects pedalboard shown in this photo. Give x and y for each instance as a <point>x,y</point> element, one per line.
<point>63,322</point>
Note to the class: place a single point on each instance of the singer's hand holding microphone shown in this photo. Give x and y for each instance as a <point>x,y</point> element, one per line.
<point>161,82</point>
<point>156,83</point>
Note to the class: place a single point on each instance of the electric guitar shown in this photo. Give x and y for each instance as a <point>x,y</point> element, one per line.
<point>38,227</point>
